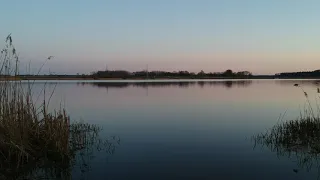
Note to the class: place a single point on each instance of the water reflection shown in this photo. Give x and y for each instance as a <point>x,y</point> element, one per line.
<point>162,84</point>
<point>84,142</point>
<point>183,132</point>
<point>303,82</point>
<point>298,140</point>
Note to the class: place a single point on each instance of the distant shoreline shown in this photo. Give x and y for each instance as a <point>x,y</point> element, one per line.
<point>87,78</point>
<point>173,78</point>
<point>66,78</point>
<point>162,75</point>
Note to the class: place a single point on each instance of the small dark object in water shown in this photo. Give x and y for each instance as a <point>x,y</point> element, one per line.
<point>295,170</point>
<point>318,90</point>
<point>296,84</point>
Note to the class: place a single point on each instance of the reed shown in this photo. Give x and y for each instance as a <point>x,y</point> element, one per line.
<point>298,138</point>
<point>30,135</point>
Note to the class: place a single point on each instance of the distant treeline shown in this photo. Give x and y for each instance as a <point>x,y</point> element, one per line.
<point>176,74</point>
<point>55,76</point>
<point>122,74</point>
<point>302,75</point>
<point>228,74</point>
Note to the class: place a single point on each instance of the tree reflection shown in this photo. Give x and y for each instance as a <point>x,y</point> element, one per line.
<point>84,140</point>
<point>298,139</point>
<point>160,84</point>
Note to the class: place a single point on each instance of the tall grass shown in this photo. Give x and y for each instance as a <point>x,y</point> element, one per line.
<point>298,139</point>
<point>30,135</point>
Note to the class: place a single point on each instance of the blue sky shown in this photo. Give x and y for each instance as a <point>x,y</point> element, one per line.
<point>264,37</point>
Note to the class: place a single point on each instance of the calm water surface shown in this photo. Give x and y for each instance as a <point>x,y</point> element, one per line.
<point>187,129</point>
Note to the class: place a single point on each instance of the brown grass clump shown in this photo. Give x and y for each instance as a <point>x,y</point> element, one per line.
<point>298,139</point>
<point>30,136</point>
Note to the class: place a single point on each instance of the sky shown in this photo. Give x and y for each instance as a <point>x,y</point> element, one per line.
<point>264,37</point>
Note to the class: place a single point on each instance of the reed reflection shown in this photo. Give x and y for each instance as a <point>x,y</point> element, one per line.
<point>295,139</point>
<point>312,83</point>
<point>83,142</point>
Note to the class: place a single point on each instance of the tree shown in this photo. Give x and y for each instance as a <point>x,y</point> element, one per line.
<point>244,74</point>
<point>201,73</point>
<point>184,73</point>
<point>247,73</point>
<point>228,73</point>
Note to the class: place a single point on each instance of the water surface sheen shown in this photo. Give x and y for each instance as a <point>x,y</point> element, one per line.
<point>187,129</point>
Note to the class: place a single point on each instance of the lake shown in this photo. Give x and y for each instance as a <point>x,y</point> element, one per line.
<point>187,129</point>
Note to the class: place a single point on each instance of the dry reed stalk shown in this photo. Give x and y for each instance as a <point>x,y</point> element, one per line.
<point>30,134</point>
